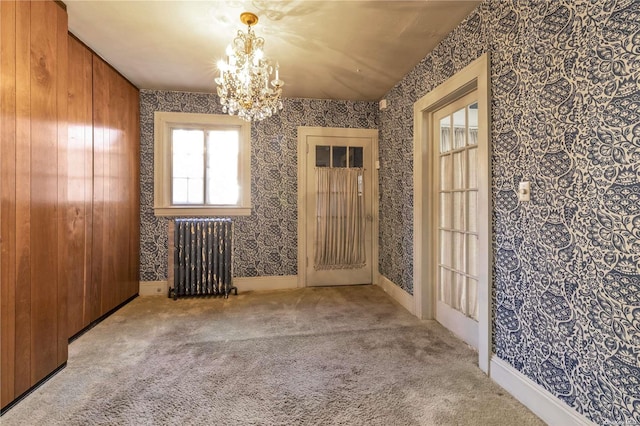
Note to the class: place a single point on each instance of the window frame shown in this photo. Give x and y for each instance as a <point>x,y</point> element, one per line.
<point>164,122</point>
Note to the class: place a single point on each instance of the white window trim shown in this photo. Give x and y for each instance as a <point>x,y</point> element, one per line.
<point>163,123</point>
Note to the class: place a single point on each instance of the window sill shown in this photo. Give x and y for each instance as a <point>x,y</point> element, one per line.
<point>201,211</point>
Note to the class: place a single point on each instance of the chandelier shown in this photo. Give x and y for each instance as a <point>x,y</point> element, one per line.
<point>243,84</point>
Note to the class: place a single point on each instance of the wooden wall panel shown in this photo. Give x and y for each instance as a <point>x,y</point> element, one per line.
<point>23,199</point>
<point>115,186</point>
<point>100,180</point>
<point>8,191</point>
<point>133,156</point>
<point>48,121</point>
<point>65,268</point>
<point>34,73</point>
<point>80,187</point>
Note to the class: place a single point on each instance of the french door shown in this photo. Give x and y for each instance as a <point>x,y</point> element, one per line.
<point>455,176</point>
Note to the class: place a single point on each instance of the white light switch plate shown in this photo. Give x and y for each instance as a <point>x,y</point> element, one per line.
<point>524,191</point>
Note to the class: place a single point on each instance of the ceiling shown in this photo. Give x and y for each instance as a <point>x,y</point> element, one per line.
<point>351,50</point>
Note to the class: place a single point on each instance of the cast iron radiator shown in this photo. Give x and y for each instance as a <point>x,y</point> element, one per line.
<point>202,258</point>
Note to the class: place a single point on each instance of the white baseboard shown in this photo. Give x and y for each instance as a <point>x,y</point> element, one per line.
<point>537,399</point>
<point>265,283</point>
<point>397,293</point>
<point>153,288</point>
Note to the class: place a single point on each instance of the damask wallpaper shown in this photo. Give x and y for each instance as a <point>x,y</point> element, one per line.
<point>565,116</point>
<point>265,243</point>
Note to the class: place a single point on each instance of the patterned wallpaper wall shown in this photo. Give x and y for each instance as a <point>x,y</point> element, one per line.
<point>265,243</point>
<point>566,116</point>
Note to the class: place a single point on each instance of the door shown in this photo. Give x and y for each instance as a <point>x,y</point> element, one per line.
<point>342,256</point>
<point>455,177</point>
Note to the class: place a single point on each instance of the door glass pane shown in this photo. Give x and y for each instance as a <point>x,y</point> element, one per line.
<point>223,150</point>
<point>445,248</point>
<point>445,134</point>
<point>458,251</point>
<point>339,156</point>
<point>472,297</point>
<point>461,292</point>
<point>472,112</point>
<point>445,172</point>
<point>445,210</point>
<point>472,255</point>
<point>459,128</point>
<point>458,210</point>
<point>445,286</point>
<point>473,167</point>
<point>458,170</point>
<point>472,224</point>
<point>323,156</point>
<point>355,156</point>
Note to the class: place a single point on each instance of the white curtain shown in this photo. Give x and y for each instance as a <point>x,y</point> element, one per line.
<point>340,225</point>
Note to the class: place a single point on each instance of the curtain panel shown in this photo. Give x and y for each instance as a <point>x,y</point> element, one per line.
<point>340,221</point>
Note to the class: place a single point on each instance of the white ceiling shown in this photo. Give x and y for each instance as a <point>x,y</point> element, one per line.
<point>355,50</point>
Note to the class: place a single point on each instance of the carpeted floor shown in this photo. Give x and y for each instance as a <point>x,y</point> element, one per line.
<point>314,356</point>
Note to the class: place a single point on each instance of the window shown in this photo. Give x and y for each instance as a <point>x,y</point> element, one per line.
<point>201,165</point>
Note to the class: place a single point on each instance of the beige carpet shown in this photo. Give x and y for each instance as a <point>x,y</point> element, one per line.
<point>323,356</point>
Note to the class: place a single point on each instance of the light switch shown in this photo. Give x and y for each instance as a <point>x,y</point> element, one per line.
<point>524,191</point>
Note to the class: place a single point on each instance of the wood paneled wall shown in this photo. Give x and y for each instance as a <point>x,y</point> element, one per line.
<point>34,193</point>
<point>80,312</point>
<point>69,217</point>
<point>104,125</point>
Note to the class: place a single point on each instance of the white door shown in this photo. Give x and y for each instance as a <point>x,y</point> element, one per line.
<point>456,165</point>
<point>346,152</point>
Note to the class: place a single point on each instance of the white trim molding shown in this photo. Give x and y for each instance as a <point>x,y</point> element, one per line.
<point>276,282</point>
<point>153,288</point>
<point>533,396</point>
<point>474,76</point>
<point>397,293</point>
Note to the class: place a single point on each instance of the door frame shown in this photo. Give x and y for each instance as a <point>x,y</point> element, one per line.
<point>475,76</point>
<point>303,133</point>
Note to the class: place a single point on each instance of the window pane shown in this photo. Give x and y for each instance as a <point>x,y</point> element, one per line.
<point>339,156</point>
<point>187,149</point>
<point>222,167</point>
<point>355,156</point>
<point>195,194</point>
<point>459,126</point>
<point>179,191</point>
<point>445,134</point>
<point>187,165</point>
<point>323,156</point>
